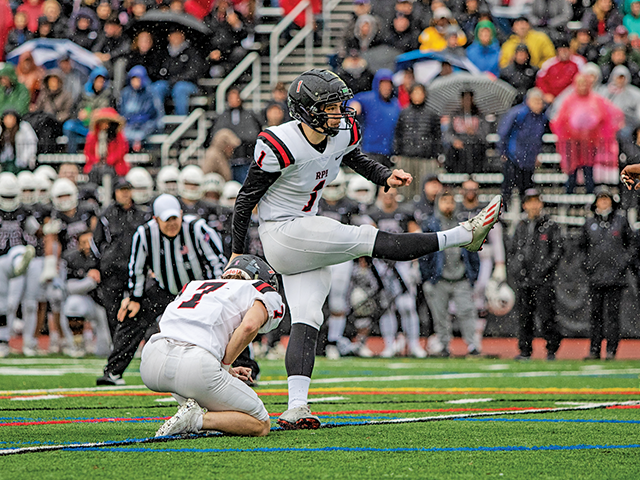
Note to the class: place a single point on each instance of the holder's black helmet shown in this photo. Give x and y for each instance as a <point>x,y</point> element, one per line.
<point>251,267</point>
<point>311,91</point>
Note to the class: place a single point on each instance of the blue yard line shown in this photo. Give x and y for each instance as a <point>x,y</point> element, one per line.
<point>553,420</point>
<point>356,449</point>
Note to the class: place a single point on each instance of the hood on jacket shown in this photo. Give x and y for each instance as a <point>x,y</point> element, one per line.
<point>26,58</point>
<point>85,13</point>
<point>486,24</point>
<point>592,69</point>
<point>604,190</point>
<point>109,114</point>
<point>224,138</point>
<point>9,72</point>
<point>620,70</point>
<point>95,73</point>
<point>56,72</point>
<point>140,72</point>
<point>382,74</point>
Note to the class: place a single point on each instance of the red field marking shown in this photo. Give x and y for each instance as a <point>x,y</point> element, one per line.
<point>94,394</point>
<point>424,410</point>
<point>570,348</point>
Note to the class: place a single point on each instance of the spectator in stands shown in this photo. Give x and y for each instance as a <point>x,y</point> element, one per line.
<point>379,111</point>
<point>401,35</point>
<point>181,69</point>
<point>52,11</point>
<point>53,107</point>
<point>586,126</point>
<point>584,45</point>
<point>535,251</point>
<point>229,29</point>
<point>246,125</point>
<point>520,73</point>
<point>74,78</point>
<point>558,72</point>
<point>103,12</point>
<point>417,137</point>
<point>406,9</point>
<point>45,29</point>
<point>602,19</point>
<point>539,44</point>
<point>425,207</point>
<point>432,38</point>
<point>96,95</point>
<point>274,115</point>
<point>219,155</point>
<point>451,35</point>
<point>472,12</point>
<point>106,146</point>
<point>112,49</point>
<point>138,107</point>
<point>84,28</point>
<point>465,138</point>
<point>6,24</point>
<point>606,241</point>
<point>144,52</point>
<point>360,8</point>
<point>278,97</point>
<point>521,131</point>
<point>484,52</point>
<point>619,57</point>
<point>624,96</point>
<point>448,276</point>
<point>33,9</point>
<point>632,19</point>
<point>18,143</point>
<point>19,34</point>
<point>551,16</point>
<point>408,80</point>
<point>29,74</point>
<point>366,34</point>
<point>13,94</point>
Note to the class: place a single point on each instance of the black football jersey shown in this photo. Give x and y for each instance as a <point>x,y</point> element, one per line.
<point>344,210</point>
<point>12,225</point>
<point>392,222</point>
<point>73,226</point>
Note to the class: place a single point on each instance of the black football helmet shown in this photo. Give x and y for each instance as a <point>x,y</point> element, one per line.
<point>251,267</point>
<point>311,91</point>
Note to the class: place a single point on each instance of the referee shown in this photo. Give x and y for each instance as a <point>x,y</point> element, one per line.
<point>175,250</point>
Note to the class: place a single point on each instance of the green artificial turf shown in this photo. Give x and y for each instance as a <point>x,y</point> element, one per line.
<point>343,389</point>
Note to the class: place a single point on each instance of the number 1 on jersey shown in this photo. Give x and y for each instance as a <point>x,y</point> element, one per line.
<point>313,196</point>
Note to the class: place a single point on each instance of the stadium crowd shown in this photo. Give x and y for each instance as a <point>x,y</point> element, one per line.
<point>575,68</point>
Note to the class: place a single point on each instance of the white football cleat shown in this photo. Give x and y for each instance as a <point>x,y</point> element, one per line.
<point>184,421</point>
<point>299,418</point>
<point>482,223</point>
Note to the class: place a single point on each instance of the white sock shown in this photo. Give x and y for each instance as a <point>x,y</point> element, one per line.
<point>456,237</point>
<point>337,325</point>
<point>298,390</point>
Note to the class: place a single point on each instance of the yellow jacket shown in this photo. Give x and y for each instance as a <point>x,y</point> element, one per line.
<point>540,48</point>
<point>432,40</point>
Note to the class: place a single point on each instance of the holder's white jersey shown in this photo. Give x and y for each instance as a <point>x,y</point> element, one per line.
<point>305,171</point>
<point>207,312</point>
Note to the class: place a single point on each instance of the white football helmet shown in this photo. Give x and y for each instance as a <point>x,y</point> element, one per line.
<point>142,183</point>
<point>48,171</point>
<point>167,180</point>
<point>500,297</point>
<point>64,195</point>
<point>9,192</point>
<point>191,183</point>
<point>230,193</point>
<point>44,188</point>
<point>28,187</point>
<point>361,190</point>
<point>337,189</point>
<point>214,182</point>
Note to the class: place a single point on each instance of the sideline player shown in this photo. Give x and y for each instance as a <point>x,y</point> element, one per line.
<point>293,163</point>
<point>202,332</point>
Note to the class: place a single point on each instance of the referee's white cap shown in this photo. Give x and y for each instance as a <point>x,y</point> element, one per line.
<point>166,206</point>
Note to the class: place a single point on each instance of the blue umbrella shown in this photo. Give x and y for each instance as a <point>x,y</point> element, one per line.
<point>48,51</point>
<point>427,65</point>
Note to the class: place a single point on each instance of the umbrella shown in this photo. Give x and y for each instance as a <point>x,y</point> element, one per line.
<point>47,51</point>
<point>427,65</point>
<point>490,95</point>
<point>160,23</point>
<point>382,56</point>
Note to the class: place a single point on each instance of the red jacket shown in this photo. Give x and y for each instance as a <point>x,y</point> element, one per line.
<point>117,149</point>
<point>6,24</point>
<point>33,13</point>
<point>555,76</point>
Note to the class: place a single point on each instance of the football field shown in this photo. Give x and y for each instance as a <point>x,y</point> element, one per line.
<point>382,418</point>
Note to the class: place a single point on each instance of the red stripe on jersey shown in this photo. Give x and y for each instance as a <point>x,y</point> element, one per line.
<point>354,132</point>
<point>276,144</point>
<point>264,287</point>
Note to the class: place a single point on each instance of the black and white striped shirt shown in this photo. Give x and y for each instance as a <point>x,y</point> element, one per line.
<point>194,254</point>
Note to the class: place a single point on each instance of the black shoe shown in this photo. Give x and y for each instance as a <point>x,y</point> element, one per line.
<point>110,379</point>
<point>474,353</point>
<point>551,356</point>
<point>592,356</point>
<point>523,357</point>
<point>443,354</point>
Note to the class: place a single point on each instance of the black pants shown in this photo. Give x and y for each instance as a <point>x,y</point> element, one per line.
<point>542,300</point>
<point>111,291</point>
<point>605,318</point>
<point>130,332</point>
<point>515,177</point>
